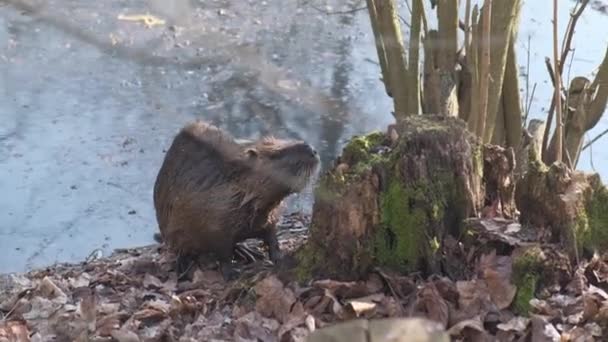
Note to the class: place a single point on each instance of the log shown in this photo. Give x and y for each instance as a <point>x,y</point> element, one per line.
<point>391,200</point>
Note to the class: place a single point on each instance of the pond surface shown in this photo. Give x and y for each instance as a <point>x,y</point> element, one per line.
<point>90,100</point>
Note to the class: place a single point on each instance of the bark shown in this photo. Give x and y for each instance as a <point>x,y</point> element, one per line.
<point>484,68</point>
<point>586,103</point>
<point>511,101</point>
<point>380,48</point>
<point>395,204</point>
<point>414,62</point>
<point>472,101</point>
<point>388,25</point>
<point>505,14</point>
<point>571,205</point>
<point>431,73</point>
<point>447,13</point>
<point>499,180</point>
<point>531,146</point>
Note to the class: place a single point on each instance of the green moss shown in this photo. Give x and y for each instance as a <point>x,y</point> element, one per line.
<point>592,225</point>
<point>525,292</point>
<point>307,258</point>
<point>414,219</point>
<point>397,242</point>
<point>359,147</point>
<point>527,271</point>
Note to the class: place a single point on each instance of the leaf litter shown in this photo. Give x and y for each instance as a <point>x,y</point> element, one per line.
<point>135,295</point>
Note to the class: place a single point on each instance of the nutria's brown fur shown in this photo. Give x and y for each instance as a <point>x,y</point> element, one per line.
<point>212,192</point>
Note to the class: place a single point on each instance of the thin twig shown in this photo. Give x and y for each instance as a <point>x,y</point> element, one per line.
<point>572,163</point>
<point>550,70</point>
<point>409,8</point>
<point>350,11</point>
<point>467,25</point>
<point>591,154</point>
<point>529,104</point>
<point>595,139</point>
<point>526,109</point>
<point>403,21</point>
<point>574,16</point>
<point>550,114</point>
<point>565,49</point>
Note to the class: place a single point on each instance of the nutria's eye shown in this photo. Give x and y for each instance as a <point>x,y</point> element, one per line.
<point>251,153</point>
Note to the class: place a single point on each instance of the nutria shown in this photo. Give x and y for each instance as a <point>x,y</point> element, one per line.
<point>212,192</point>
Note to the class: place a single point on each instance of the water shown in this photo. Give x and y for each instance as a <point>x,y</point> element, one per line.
<point>89,103</point>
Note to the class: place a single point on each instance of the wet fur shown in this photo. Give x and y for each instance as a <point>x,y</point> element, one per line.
<point>212,192</point>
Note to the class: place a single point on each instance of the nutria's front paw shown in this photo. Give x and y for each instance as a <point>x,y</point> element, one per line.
<point>275,254</point>
<point>228,271</point>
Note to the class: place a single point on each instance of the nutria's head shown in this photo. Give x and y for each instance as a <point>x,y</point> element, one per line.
<point>289,164</point>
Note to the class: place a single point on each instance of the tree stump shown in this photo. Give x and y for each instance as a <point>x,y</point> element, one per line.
<point>571,205</point>
<point>394,200</point>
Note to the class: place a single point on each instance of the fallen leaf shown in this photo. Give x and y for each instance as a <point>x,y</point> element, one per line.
<point>310,323</point>
<point>473,299</point>
<point>432,305</point>
<point>543,331</point>
<point>14,331</point>
<point>124,335</point>
<point>50,290</point>
<point>254,327</point>
<point>151,281</point>
<point>496,271</point>
<point>149,316</point>
<point>275,301</point>
<point>360,308</point>
<point>344,290</point>
<point>516,324</point>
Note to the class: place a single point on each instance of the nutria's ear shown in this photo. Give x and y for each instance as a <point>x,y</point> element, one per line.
<point>251,153</point>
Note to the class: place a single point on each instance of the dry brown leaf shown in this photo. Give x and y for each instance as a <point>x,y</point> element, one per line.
<point>496,271</point>
<point>473,299</point>
<point>149,316</point>
<point>359,307</point>
<point>447,288</point>
<point>48,289</point>
<point>310,323</point>
<point>344,290</point>
<point>296,318</point>
<point>432,305</point>
<point>274,299</point>
<point>515,324</point>
<point>106,325</point>
<point>374,284</point>
<point>124,335</point>
<point>14,331</point>
<point>254,327</point>
<point>152,282</point>
<point>469,330</point>
<point>542,330</point>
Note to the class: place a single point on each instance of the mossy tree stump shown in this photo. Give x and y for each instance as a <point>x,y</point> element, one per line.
<point>572,205</point>
<point>392,199</point>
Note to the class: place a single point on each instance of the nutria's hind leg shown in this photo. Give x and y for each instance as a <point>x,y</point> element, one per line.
<point>158,237</point>
<point>225,254</point>
<point>270,238</point>
<point>184,263</point>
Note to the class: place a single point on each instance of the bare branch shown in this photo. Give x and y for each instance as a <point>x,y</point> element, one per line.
<point>559,125</point>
